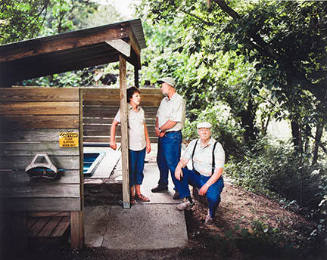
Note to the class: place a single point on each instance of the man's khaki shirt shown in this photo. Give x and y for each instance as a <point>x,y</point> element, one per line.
<point>203,156</point>
<point>172,109</point>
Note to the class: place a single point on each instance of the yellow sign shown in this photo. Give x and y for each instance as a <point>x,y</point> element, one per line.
<point>68,139</point>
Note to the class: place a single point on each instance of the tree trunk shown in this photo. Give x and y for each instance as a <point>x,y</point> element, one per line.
<point>319,131</point>
<point>296,136</point>
<point>248,122</point>
<point>307,139</point>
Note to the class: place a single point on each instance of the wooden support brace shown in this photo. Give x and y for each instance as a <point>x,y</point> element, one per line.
<point>136,77</point>
<point>121,46</point>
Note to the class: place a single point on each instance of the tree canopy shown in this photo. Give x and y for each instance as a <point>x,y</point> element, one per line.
<point>267,56</point>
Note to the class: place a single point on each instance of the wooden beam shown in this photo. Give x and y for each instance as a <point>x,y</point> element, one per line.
<point>40,190</point>
<point>40,204</point>
<point>136,77</point>
<point>136,47</point>
<point>81,159</point>
<point>37,67</point>
<point>39,108</point>
<point>20,162</point>
<point>38,93</point>
<point>133,42</point>
<point>20,122</point>
<point>121,46</point>
<point>61,42</point>
<point>124,130</point>
<point>76,229</point>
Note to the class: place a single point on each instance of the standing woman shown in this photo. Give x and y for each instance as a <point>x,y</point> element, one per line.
<point>139,142</point>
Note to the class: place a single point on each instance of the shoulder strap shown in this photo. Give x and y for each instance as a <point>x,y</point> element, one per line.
<point>213,158</point>
<point>196,142</point>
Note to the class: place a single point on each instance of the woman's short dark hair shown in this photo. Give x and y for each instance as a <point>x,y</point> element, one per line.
<point>130,92</point>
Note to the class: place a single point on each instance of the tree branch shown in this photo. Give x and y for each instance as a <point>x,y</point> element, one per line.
<point>267,51</point>
<point>199,18</point>
<point>264,48</point>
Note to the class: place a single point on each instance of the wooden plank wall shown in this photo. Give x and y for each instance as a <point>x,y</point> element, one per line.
<point>100,106</point>
<point>30,122</point>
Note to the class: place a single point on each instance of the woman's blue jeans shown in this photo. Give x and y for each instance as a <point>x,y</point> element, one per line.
<point>136,167</point>
<point>169,153</point>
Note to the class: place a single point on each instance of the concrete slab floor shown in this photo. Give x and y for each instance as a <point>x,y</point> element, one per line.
<point>151,226</point>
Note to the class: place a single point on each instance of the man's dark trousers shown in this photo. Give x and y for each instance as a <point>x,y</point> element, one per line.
<point>169,153</point>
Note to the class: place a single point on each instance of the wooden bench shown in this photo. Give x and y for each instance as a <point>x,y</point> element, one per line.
<point>47,224</point>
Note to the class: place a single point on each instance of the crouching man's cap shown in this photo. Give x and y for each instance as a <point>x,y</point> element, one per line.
<point>168,80</point>
<point>204,125</point>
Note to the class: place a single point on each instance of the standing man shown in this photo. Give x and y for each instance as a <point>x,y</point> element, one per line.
<point>208,159</point>
<point>169,123</point>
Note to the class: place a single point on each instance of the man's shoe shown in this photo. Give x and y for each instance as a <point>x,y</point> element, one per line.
<point>159,189</point>
<point>176,195</point>
<point>185,205</point>
<point>209,220</point>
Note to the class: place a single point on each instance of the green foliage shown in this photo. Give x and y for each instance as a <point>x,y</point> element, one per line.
<point>271,59</point>
<point>224,129</point>
<point>20,19</point>
<point>269,63</point>
<point>67,79</point>
<point>275,170</point>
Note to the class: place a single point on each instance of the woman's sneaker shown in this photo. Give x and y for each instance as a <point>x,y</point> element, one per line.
<point>185,205</point>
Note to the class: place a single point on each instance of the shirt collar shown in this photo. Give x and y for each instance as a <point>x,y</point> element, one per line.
<point>211,142</point>
<point>129,106</point>
<point>172,97</point>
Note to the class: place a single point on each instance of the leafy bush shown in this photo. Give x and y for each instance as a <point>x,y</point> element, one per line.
<point>224,129</point>
<point>275,170</point>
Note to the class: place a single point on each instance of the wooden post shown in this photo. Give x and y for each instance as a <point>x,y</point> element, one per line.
<point>76,229</point>
<point>136,77</point>
<point>77,217</point>
<point>124,131</point>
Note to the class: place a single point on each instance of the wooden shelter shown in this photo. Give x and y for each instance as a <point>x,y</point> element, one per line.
<point>33,119</point>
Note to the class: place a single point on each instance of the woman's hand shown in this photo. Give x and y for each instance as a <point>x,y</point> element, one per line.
<point>113,145</point>
<point>148,147</point>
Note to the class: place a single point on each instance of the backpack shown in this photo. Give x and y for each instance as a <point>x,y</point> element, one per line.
<point>213,156</point>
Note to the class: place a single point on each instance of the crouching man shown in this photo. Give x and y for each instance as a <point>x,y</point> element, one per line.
<point>208,159</point>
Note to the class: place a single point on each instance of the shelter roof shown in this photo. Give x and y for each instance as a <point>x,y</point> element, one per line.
<point>71,51</point>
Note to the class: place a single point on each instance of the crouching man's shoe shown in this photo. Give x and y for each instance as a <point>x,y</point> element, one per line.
<point>185,205</point>
<point>176,195</point>
<point>209,220</point>
<point>159,189</point>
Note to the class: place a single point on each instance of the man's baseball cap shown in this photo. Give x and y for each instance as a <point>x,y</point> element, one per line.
<point>204,125</point>
<point>168,80</point>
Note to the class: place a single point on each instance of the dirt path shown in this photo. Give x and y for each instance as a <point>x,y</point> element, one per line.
<point>247,226</point>
<point>243,208</point>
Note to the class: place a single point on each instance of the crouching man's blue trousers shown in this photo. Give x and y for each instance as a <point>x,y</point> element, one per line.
<point>197,180</point>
